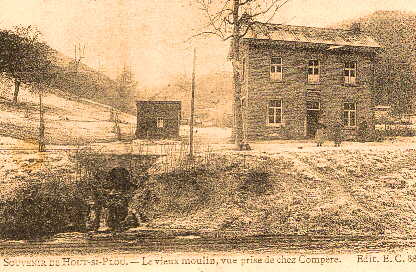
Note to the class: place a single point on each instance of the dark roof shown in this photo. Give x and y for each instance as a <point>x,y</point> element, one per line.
<point>312,35</point>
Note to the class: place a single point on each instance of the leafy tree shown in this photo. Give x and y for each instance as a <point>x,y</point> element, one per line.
<point>24,58</point>
<point>232,20</point>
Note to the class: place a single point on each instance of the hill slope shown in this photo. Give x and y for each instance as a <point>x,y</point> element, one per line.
<point>213,96</point>
<point>68,119</point>
<point>82,81</point>
<point>396,71</point>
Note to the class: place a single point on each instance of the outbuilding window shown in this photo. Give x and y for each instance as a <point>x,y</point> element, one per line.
<point>276,69</point>
<point>350,72</point>
<point>350,114</point>
<point>313,71</point>
<point>275,112</point>
<point>160,123</point>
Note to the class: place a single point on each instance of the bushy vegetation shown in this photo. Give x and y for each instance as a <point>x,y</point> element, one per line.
<point>25,58</point>
<point>225,180</point>
<point>55,199</point>
<point>36,209</point>
<point>330,193</point>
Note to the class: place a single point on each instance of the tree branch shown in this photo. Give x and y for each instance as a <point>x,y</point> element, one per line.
<point>265,10</point>
<point>276,9</point>
<point>224,38</point>
<point>218,21</point>
<point>246,2</point>
<point>249,26</point>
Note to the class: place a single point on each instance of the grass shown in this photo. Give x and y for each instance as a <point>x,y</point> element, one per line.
<point>332,193</point>
<point>67,121</point>
<point>329,192</point>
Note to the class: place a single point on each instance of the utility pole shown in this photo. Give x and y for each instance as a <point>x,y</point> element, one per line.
<point>41,125</point>
<point>79,54</point>
<point>191,125</point>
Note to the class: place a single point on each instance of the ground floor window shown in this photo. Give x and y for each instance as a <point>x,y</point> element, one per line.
<point>275,112</point>
<point>312,105</point>
<point>350,114</point>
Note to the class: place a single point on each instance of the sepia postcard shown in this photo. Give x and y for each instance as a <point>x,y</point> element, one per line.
<point>207,135</point>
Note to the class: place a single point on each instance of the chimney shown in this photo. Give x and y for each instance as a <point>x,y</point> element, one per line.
<point>356,28</point>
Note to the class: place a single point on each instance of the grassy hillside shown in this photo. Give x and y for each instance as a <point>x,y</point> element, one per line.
<point>68,118</point>
<point>82,81</point>
<point>337,192</point>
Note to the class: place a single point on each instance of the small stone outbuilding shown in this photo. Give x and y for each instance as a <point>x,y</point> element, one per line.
<point>158,119</point>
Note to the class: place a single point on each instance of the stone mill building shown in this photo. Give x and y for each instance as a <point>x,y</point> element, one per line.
<point>294,77</point>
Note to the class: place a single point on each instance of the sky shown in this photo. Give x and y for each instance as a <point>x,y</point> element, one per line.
<point>149,35</point>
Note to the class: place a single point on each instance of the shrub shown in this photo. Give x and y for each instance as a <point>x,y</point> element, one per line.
<point>400,131</point>
<point>377,136</point>
<point>180,191</point>
<point>255,179</point>
<point>35,209</point>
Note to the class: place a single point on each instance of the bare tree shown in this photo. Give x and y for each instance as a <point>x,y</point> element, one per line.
<point>232,20</point>
<point>79,55</point>
<point>125,90</point>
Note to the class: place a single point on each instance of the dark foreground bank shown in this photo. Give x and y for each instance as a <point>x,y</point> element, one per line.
<point>160,241</point>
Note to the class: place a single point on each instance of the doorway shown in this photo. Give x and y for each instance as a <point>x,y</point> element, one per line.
<point>312,118</point>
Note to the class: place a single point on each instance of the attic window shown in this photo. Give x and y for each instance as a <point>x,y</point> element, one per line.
<point>350,72</point>
<point>276,69</point>
<point>313,71</point>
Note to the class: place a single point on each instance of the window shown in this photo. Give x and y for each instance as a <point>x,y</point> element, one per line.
<point>275,112</point>
<point>160,123</point>
<point>276,69</point>
<point>350,114</point>
<point>313,105</point>
<point>313,71</point>
<point>350,72</point>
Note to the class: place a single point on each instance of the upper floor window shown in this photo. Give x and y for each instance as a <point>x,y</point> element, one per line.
<point>350,72</point>
<point>276,69</point>
<point>313,71</point>
<point>350,114</point>
<point>275,112</point>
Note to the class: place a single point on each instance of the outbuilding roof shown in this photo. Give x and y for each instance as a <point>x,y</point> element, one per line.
<point>313,35</point>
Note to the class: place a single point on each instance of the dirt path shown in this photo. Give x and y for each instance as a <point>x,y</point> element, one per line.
<point>339,193</point>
